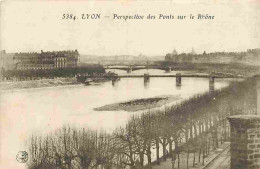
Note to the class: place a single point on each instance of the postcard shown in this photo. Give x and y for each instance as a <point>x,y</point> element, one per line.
<point>129,84</point>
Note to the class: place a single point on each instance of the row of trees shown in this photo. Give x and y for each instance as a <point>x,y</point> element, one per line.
<point>50,73</point>
<point>194,126</point>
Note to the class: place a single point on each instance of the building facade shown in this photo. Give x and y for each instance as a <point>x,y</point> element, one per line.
<point>46,60</point>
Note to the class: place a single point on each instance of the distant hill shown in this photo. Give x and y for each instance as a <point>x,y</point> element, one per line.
<point>125,59</point>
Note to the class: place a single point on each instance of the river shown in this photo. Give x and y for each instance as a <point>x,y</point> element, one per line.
<point>42,110</point>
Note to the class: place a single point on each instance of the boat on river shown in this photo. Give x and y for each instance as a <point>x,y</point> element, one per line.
<point>88,81</point>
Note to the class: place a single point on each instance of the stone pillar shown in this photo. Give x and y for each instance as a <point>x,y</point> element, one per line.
<point>178,79</point>
<point>146,81</point>
<point>129,69</point>
<point>245,141</point>
<point>211,83</point>
<point>146,77</point>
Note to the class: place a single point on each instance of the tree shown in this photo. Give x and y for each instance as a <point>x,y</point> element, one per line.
<point>84,146</point>
<point>125,146</point>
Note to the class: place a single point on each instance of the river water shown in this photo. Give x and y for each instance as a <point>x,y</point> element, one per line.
<point>43,110</point>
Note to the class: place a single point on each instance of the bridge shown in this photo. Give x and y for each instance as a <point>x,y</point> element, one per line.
<point>129,69</point>
<point>180,75</point>
<point>115,77</point>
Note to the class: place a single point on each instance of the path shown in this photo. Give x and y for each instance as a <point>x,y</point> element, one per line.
<point>216,159</point>
<point>222,161</point>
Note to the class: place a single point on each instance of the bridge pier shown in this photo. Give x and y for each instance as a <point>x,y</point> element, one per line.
<point>114,82</point>
<point>168,69</point>
<point>146,77</point>
<point>115,79</point>
<point>129,69</point>
<point>211,83</point>
<point>178,79</point>
<point>146,80</point>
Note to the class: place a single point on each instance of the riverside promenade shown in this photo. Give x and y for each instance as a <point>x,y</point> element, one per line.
<point>222,161</point>
<point>219,158</point>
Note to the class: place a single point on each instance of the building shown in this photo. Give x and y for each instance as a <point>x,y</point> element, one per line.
<point>46,60</point>
<point>6,60</point>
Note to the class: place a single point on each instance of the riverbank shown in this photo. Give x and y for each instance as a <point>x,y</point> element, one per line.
<point>139,104</point>
<point>13,85</point>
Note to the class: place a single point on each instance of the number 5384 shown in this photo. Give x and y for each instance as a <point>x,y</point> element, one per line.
<point>69,16</point>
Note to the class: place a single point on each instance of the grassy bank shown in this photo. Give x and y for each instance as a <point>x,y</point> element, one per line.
<point>139,104</point>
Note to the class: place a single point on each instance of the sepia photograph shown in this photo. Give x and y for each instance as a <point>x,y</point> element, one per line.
<point>130,84</point>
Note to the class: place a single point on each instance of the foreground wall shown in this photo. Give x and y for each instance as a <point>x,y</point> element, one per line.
<point>245,141</point>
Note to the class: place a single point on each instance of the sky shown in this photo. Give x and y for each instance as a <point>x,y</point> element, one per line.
<point>32,26</point>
